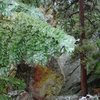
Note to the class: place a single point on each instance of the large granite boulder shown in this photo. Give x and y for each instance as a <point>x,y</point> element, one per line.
<point>70,71</point>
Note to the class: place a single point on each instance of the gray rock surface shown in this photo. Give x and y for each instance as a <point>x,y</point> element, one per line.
<point>71,71</point>
<point>74,97</point>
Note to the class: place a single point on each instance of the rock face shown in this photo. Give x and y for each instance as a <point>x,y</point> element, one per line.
<point>47,83</point>
<point>41,81</point>
<point>71,71</point>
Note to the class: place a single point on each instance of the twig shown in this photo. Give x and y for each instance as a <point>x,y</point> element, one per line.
<point>90,22</point>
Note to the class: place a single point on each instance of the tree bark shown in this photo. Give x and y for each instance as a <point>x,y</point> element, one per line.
<point>84,89</point>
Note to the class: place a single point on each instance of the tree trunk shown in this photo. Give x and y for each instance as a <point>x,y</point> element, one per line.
<point>84,89</point>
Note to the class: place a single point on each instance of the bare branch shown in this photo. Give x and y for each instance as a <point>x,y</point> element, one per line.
<point>90,21</point>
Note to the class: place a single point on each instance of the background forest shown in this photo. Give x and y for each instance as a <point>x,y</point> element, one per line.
<point>42,37</point>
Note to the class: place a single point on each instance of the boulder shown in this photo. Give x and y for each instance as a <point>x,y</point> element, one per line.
<point>41,81</point>
<point>46,83</point>
<point>70,71</point>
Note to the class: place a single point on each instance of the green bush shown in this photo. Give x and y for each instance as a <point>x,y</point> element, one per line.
<point>28,38</point>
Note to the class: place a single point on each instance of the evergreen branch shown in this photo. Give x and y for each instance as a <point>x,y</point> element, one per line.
<point>73,13</point>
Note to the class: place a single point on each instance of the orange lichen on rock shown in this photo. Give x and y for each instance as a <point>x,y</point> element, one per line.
<point>47,82</point>
<point>41,73</point>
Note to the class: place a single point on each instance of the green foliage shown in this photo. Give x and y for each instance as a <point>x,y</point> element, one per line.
<point>6,82</point>
<point>97,70</point>
<point>25,37</point>
<point>5,97</point>
<point>8,9</point>
<point>98,43</point>
<point>36,3</point>
<point>92,52</point>
<point>15,83</point>
<point>3,5</point>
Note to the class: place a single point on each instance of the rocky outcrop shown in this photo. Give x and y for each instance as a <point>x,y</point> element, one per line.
<point>70,71</point>
<point>41,81</point>
<point>72,74</point>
